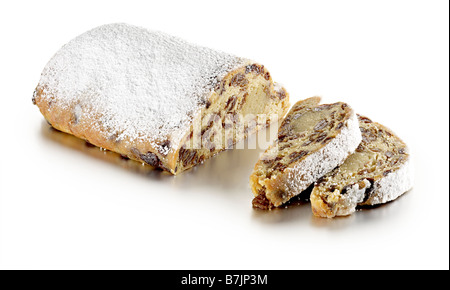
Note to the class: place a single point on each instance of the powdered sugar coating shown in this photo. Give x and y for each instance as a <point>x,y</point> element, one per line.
<point>393,185</point>
<point>141,85</point>
<point>317,164</point>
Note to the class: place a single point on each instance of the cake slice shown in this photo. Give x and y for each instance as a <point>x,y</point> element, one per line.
<point>379,171</point>
<point>312,140</point>
<point>155,98</point>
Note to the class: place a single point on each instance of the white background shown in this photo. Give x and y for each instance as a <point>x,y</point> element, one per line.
<point>67,206</point>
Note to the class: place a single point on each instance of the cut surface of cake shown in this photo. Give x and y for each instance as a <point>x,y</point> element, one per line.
<point>379,171</point>
<point>155,98</point>
<point>312,140</point>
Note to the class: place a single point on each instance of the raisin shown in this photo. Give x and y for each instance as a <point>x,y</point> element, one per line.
<point>230,103</point>
<point>340,125</point>
<point>328,139</point>
<point>321,181</point>
<point>281,94</point>
<point>208,104</point>
<point>282,137</point>
<point>186,155</point>
<point>256,68</point>
<point>280,167</point>
<point>196,159</point>
<point>319,126</point>
<point>313,136</point>
<point>295,156</point>
<point>386,173</point>
<point>239,80</point>
<point>151,159</point>
<point>306,143</point>
<point>210,124</point>
<point>364,120</point>
<point>271,161</point>
<point>244,99</point>
<point>321,137</point>
<point>286,138</point>
<point>262,202</point>
<point>284,147</point>
<point>267,161</point>
<point>402,151</point>
<point>191,157</point>
<point>389,154</point>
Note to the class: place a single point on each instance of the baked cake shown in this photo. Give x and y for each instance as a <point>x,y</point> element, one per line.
<point>312,140</point>
<point>155,98</point>
<point>379,171</point>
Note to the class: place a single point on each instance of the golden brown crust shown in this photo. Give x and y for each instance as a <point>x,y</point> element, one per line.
<point>64,119</point>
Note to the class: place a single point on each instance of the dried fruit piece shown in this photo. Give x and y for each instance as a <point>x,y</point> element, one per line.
<point>231,103</point>
<point>151,159</point>
<point>295,156</point>
<point>261,202</point>
<point>239,80</point>
<point>322,124</point>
